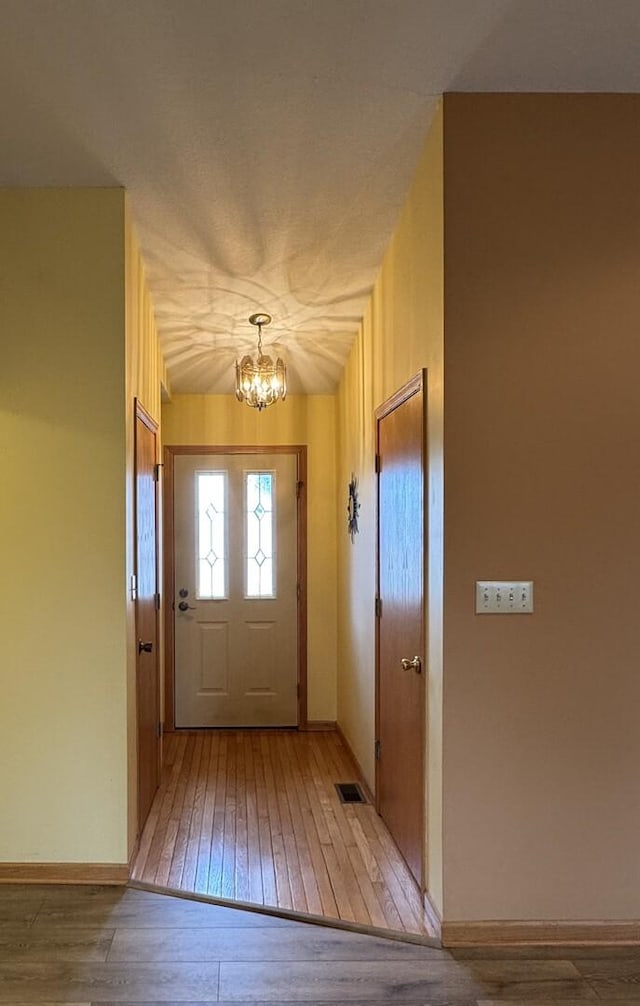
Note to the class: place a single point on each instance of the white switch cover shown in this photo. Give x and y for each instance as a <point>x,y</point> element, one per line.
<point>504,597</point>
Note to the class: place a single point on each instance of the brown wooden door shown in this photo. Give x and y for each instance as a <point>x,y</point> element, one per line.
<point>401,563</point>
<point>148,709</point>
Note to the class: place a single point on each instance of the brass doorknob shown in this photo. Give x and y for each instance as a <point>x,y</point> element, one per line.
<point>416,663</point>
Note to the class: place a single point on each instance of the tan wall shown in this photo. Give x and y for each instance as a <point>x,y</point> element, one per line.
<point>401,333</point>
<point>220,419</point>
<point>62,527</point>
<point>542,421</point>
<point>145,372</point>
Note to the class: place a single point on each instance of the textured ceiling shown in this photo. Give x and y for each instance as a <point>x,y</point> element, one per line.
<point>267,145</point>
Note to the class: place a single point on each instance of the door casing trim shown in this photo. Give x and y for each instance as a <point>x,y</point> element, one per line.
<point>170,452</point>
<point>416,384</point>
<point>143,416</point>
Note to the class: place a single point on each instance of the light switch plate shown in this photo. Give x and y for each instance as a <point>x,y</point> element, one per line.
<point>504,597</point>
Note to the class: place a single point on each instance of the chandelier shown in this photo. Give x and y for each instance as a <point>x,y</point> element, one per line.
<point>260,382</point>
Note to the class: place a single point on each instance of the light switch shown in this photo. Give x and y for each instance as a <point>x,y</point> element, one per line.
<point>504,597</point>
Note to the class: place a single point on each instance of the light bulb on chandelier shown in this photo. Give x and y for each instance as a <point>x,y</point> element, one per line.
<point>260,382</point>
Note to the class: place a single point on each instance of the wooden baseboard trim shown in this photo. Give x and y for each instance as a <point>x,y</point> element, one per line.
<point>561,932</point>
<point>320,725</point>
<point>367,792</point>
<point>64,873</point>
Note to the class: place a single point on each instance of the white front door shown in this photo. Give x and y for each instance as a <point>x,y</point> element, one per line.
<point>236,646</point>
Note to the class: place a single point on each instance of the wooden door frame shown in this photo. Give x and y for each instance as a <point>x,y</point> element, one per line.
<point>416,385</point>
<point>141,415</point>
<point>170,453</point>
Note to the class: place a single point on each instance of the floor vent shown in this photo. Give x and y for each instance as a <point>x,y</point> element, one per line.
<point>349,792</point>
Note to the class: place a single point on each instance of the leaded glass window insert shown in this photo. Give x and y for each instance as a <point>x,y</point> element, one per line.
<point>211,519</point>
<point>259,501</point>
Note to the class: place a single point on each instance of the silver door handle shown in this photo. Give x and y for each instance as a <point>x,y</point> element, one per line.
<point>416,663</point>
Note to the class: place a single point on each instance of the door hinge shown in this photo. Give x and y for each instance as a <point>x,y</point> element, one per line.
<point>377,750</point>
<point>298,591</point>
<point>156,471</point>
<point>299,486</point>
<point>159,730</point>
<point>298,690</point>
<point>378,608</point>
<point>378,464</point>
<point>156,598</point>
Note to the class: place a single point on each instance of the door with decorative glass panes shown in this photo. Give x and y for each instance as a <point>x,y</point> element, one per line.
<point>236,645</point>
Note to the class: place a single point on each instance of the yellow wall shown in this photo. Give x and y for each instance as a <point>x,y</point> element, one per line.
<point>62,527</point>
<point>145,372</point>
<point>78,343</point>
<point>220,419</point>
<point>542,444</point>
<point>402,332</point>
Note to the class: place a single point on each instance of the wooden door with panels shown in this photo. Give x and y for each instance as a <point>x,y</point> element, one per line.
<point>146,611</point>
<point>237,639</point>
<point>400,635</point>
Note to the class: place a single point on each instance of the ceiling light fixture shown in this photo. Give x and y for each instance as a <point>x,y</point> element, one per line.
<point>260,382</point>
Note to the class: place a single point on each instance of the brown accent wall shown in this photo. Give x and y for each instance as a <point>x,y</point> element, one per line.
<point>542,481</point>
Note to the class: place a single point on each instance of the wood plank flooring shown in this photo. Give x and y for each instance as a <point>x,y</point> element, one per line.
<point>253,816</point>
<point>90,945</point>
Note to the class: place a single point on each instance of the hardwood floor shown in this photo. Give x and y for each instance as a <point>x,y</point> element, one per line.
<point>253,816</point>
<point>85,945</point>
